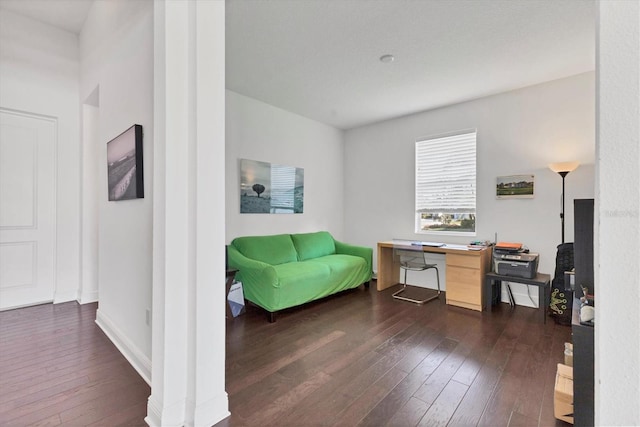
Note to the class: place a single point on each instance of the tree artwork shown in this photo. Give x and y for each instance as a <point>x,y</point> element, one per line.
<point>258,188</point>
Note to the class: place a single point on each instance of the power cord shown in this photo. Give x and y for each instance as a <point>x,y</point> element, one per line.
<point>529,295</point>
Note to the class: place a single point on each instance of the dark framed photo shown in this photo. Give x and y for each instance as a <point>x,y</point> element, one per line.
<point>124,165</point>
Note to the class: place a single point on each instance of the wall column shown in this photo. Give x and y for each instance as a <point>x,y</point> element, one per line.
<point>88,291</point>
<point>617,230</point>
<point>188,329</point>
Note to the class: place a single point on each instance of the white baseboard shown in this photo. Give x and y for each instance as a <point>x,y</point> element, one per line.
<point>88,297</point>
<point>154,413</point>
<point>205,414</point>
<point>212,411</point>
<point>171,416</point>
<point>140,362</point>
<point>60,297</point>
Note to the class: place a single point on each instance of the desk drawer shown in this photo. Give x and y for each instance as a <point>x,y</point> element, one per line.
<point>463,284</point>
<point>468,261</point>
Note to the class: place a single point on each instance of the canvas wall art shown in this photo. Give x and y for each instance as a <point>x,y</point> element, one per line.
<point>124,165</point>
<point>270,188</point>
<point>515,187</point>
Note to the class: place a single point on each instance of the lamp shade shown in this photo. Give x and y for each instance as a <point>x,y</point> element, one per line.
<point>563,166</point>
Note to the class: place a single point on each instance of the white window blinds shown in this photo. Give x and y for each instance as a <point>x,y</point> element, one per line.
<point>446,175</point>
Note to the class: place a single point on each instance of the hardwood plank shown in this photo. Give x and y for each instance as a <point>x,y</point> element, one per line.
<point>403,392</point>
<point>328,399</point>
<point>367,400</point>
<point>130,417</point>
<point>55,360</point>
<point>474,361</point>
<point>481,390</point>
<point>287,400</point>
<point>500,406</point>
<point>465,361</point>
<point>561,335</point>
<point>277,364</point>
<point>358,358</point>
<point>528,405</point>
<point>518,420</point>
<point>409,414</point>
<point>431,389</point>
<point>440,411</point>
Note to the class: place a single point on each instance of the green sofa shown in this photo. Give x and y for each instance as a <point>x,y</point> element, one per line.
<point>286,270</point>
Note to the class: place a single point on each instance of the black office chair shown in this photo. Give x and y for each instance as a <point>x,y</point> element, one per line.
<point>412,257</point>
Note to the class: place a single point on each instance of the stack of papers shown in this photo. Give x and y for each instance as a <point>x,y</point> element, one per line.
<point>459,247</point>
<point>434,244</point>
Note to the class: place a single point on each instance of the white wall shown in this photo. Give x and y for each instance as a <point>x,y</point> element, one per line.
<point>518,132</point>
<point>116,51</point>
<point>259,131</point>
<point>39,74</point>
<point>617,231</point>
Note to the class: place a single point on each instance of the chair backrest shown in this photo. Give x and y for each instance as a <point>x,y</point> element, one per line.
<point>410,256</point>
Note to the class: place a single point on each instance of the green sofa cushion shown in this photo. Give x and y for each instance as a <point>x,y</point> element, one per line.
<point>274,250</point>
<point>313,245</point>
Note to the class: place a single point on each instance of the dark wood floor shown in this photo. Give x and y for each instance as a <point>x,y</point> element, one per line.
<point>365,359</point>
<point>58,368</point>
<point>360,358</point>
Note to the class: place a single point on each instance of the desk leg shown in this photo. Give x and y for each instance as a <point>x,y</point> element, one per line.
<point>487,304</point>
<point>388,270</point>
<point>512,300</point>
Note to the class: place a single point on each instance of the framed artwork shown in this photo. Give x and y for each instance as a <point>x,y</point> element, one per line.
<point>270,188</point>
<point>124,165</point>
<point>515,187</point>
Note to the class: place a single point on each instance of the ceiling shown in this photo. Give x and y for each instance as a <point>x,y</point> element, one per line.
<point>320,58</point>
<point>68,15</point>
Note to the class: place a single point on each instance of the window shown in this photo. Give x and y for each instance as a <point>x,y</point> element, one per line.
<point>446,184</point>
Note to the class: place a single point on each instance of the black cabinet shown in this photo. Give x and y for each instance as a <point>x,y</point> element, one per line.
<point>583,244</point>
<point>583,373</point>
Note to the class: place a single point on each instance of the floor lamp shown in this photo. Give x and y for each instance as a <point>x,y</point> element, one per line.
<point>563,170</point>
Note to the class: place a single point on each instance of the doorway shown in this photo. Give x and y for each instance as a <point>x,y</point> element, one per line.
<point>27,208</point>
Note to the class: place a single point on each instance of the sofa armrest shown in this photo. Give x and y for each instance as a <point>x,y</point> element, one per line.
<point>361,251</point>
<point>250,271</point>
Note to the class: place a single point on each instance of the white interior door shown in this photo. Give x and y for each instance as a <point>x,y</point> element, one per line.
<point>27,209</point>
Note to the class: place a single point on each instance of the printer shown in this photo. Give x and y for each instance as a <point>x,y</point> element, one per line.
<point>516,263</point>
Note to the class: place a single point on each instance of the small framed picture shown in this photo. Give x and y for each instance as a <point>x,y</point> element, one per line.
<point>515,187</point>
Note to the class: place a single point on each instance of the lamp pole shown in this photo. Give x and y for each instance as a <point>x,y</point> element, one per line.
<point>562,174</point>
<point>563,170</point>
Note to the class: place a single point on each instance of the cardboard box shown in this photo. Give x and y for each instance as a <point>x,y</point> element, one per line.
<point>568,354</point>
<point>563,394</point>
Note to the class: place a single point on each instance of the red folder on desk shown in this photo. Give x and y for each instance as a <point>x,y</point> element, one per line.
<point>509,246</point>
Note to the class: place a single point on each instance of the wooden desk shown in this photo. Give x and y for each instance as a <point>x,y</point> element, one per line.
<point>465,272</point>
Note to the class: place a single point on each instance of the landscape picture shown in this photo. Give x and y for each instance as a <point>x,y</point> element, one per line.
<point>270,188</point>
<point>124,165</point>
<point>515,187</point>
